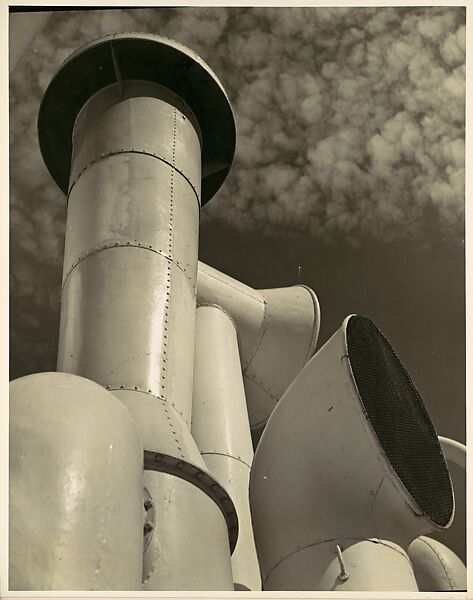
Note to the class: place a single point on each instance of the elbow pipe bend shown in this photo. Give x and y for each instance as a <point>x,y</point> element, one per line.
<point>349,454</point>
<point>76,462</point>
<point>277,334</point>
<point>455,536</point>
<point>454,452</point>
<point>436,567</point>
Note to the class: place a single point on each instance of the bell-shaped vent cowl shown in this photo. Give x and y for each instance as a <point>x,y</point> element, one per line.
<point>348,471</point>
<point>399,419</point>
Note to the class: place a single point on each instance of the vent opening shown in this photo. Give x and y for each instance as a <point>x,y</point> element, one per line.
<point>399,419</point>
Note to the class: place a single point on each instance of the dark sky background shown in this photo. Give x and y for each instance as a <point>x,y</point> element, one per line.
<point>349,166</point>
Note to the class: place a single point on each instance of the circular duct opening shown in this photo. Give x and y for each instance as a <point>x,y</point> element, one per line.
<point>399,419</point>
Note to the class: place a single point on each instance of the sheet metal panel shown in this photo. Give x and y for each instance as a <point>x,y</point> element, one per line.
<point>234,476</point>
<point>126,199</point>
<point>336,485</point>
<point>243,303</point>
<point>455,536</point>
<point>277,334</point>
<point>163,431</point>
<point>436,567</point>
<point>127,322</point>
<point>288,338</point>
<point>189,550</point>
<point>369,566</point>
<point>143,125</point>
<point>221,428</point>
<point>76,487</point>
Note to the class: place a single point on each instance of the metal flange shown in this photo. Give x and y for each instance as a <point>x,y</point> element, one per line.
<point>137,56</point>
<point>164,463</point>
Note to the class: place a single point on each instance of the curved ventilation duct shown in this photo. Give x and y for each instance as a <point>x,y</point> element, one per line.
<point>221,429</point>
<point>436,567</point>
<point>76,487</point>
<point>455,536</point>
<point>348,471</point>
<point>277,334</point>
<point>439,563</point>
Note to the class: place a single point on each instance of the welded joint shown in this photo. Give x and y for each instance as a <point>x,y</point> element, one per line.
<point>260,384</point>
<point>136,388</point>
<point>104,155</point>
<point>167,298</point>
<point>226,455</point>
<point>447,571</point>
<point>172,426</point>
<point>261,333</point>
<point>130,244</point>
<point>374,493</point>
<point>229,283</point>
<point>343,575</point>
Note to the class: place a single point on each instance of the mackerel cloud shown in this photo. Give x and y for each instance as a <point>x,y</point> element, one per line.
<point>350,123</point>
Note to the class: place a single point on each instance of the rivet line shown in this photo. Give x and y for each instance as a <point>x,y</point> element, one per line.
<point>122,244</point>
<point>168,269</point>
<point>104,155</point>
<point>134,388</point>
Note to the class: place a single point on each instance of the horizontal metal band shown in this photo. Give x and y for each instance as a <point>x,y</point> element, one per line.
<point>136,388</point>
<point>122,244</point>
<point>163,463</point>
<point>227,456</point>
<point>105,155</point>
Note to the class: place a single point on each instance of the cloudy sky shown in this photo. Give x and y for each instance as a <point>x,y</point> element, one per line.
<point>348,176</point>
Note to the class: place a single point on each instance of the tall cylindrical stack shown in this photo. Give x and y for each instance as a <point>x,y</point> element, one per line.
<point>127,309</point>
<point>141,133</point>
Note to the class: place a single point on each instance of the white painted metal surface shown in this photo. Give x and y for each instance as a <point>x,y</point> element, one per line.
<point>455,536</point>
<point>436,567</point>
<point>277,334</point>
<point>358,565</point>
<point>189,550</point>
<point>221,428</point>
<point>454,452</point>
<point>127,307</point>
<point>76,487</point>
<point>320,476</point>
<point>128,297</point>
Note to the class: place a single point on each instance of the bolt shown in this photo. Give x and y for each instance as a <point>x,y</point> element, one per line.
<point>147,527</point>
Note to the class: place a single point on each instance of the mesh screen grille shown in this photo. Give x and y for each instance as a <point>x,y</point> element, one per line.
<point>399,419</point>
